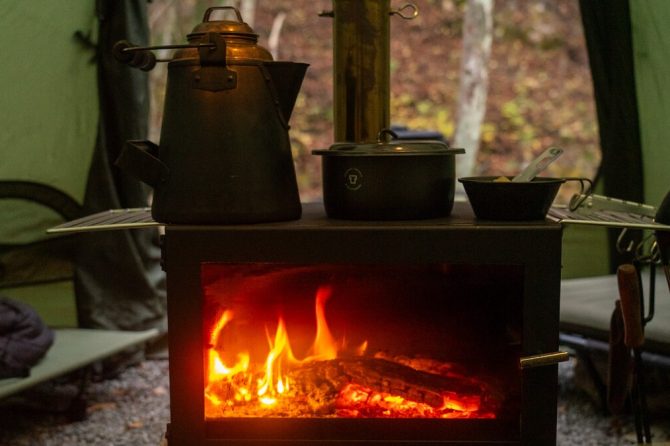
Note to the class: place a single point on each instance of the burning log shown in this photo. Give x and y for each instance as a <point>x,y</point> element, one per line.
<point>322,381</point>
<point>361,387</point>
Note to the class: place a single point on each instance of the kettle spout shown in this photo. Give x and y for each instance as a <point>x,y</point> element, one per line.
<point>287,78</point>
<point>140,160</point>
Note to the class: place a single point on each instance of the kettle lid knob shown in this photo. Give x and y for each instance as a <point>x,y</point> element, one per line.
<point>241,39</point>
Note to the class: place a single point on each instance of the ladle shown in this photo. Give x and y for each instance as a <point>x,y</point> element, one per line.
<point>538,164</point>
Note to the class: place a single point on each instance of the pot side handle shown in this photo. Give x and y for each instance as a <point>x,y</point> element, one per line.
<point>140,160</point>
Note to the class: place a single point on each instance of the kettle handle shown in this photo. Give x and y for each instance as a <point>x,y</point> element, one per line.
<point>211,9</point>
<point>140,160</point>
<point>142,57</point>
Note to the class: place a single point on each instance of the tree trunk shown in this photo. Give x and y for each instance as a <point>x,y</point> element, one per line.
<point>248,11</point>
<point>273,39</point>
<point>477,36</point>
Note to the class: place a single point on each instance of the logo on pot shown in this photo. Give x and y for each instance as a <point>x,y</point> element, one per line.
<point>353,179</point>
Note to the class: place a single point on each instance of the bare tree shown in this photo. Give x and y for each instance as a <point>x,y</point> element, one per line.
<point>273,39</point>
<point>477,36</point>
<point>248,11</point>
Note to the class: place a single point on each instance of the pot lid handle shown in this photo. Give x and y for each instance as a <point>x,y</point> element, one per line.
<point>386,135</point>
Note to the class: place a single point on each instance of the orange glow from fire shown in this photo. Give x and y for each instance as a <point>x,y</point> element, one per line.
<point>245,389</point>
<point>362,401</point>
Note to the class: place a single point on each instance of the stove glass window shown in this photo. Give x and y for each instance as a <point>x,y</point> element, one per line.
<point>362,341</point>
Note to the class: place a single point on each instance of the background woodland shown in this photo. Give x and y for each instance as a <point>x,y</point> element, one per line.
<point>539,83</point>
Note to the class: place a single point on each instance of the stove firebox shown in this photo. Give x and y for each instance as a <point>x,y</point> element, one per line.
<point>342,332</point>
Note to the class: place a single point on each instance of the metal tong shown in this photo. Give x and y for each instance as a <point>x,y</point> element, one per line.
<point>626,335</point>
<point>628,322</point>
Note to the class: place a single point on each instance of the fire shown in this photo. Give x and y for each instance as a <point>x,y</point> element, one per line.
<point>218,371</point>
<point>324,347</point>
<point>279,384</point>
<point>359,401</point>
<point>274,382</point>
<point>268,388</point>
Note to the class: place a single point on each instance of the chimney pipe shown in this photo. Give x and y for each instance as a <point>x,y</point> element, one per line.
<point>361,69</point>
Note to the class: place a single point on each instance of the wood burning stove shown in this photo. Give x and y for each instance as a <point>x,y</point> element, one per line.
<point>322,331</point>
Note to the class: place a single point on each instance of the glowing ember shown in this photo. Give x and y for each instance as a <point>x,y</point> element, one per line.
<point>332,380</point>
<point>359,401</point>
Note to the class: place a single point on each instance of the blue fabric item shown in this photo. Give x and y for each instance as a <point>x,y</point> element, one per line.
<point>24,339</point>
<point>405,133</point>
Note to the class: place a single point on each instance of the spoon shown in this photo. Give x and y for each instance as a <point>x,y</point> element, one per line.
<point>538,164</point>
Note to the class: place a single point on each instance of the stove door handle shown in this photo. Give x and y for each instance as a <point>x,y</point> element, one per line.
<point>543,359</point>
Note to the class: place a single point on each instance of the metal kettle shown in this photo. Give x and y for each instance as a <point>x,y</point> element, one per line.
<point>224,154</point>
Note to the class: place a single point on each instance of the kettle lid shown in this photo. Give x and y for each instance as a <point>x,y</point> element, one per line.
<point>228,27</point>
<point>241,40</point>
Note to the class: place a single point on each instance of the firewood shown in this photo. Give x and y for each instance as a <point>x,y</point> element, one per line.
<point>321,381</point>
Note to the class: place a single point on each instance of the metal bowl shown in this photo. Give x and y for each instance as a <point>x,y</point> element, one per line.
<point>508,201</point>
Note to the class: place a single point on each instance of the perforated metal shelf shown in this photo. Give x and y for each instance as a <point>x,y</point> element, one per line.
<point>112,219</point>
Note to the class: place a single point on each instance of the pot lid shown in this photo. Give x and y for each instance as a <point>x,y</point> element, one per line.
<point>389,144</point>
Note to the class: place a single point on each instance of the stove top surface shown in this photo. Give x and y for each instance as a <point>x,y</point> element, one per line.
<point>313,216</point>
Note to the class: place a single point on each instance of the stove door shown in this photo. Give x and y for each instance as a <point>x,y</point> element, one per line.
<point>362,352</point>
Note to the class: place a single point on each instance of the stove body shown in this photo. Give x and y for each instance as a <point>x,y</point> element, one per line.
<point>481,295</point>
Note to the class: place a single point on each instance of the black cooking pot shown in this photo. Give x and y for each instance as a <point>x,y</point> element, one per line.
<point>388,180</point>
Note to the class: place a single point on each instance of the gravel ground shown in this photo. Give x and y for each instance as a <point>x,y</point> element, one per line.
<point>132,410</point>
<point>581,421</point>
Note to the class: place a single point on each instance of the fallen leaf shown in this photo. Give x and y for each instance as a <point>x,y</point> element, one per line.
<point>101,406</point>
<point>135,424</point>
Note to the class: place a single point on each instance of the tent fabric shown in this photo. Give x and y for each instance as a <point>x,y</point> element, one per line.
<point>651,45</point>
<point>30,208</point>
<point>609,43</point>
<point>49,113</point>
<point>70,114</point>
<point>118,280</point>
<point>608,33</point>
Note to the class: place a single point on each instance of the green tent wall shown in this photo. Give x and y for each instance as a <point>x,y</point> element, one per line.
<point>68,107</point>
<point>628,43</point>
<point>651,46</point>
<point>49,108</point>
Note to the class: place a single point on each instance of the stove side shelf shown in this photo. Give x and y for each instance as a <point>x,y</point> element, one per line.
<point>604,218</point>
<point>110,220</point>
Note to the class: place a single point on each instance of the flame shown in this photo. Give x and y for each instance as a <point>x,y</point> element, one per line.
<point>217,370</point>
<point>324,346</point>
<point>267,387</point>
<point>273,383</point>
